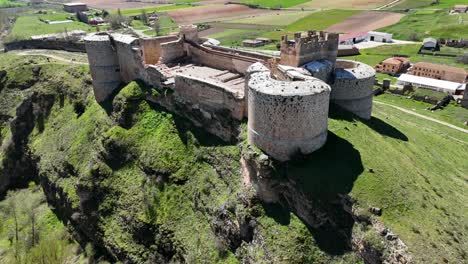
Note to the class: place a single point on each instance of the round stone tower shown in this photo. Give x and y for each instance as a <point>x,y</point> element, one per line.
<point>287,118</point>
<point>353,87</point>
<point>103,64</point>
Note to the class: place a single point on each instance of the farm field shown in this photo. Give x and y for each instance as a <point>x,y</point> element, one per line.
<point>445,4</point>
<point>8,3</point>
<point>275,19</point>
<point>212,13</point>
<point>416,26</point>
<point>115,4</point>
<point>29,25</point>
<point>366,21</point>
<point>275,3</point>
<point>164,8</point>
<point>373,56</point>
<point>345,4</point>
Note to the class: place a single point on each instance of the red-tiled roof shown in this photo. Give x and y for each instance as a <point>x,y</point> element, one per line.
<point>352,35</point>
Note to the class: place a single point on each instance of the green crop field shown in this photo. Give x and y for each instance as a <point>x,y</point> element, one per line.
<point>444,4</point>
<point>373,56</point>
<point>274,3</point>
<point>279,19</point>
<point>438,24</point>
<point>137,11</point>
<point>27,26</point>
<point>9,3</point>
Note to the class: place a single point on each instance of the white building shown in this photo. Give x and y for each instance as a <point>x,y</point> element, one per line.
<point>429,43</point>
<point>453,88</point>
<point>379,36</point>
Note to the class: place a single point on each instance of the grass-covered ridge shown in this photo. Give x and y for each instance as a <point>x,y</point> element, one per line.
<point>439,24</point>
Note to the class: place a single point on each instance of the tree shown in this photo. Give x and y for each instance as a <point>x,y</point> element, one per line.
<point>462,58</point>
<point>144,17</point>
<point>157,27</point>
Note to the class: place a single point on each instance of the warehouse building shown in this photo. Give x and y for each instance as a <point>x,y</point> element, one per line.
<point>380,37</point>
<point>75,7</point>
<point>453,88</point>
<point>440,72</point>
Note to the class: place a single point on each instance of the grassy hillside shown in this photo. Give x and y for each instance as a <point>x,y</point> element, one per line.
<point>137,11</point>
<point>146,185</point>
<point>445,4</point>
<point>439,24</point>
<point>8,3</point>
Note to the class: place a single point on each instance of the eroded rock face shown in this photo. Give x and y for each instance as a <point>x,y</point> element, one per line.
<point>335,218</point>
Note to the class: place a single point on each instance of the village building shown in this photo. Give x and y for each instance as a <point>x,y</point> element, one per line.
<point>460,9</point>
<point>430,44</point>
<point>75,7</point>
<point>380,37</point>
<point>352,38</point>
<point>448,87</point>
<point>264,40</point>
<point>440,72</point>
<point>393,66</point>
<point>252,43</point>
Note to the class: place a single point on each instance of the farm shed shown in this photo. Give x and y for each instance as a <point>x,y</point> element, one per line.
<point>460,9</point>
<point>429,43</point>
<point>453,88</point>
<point>252,43</point>
<point>75,7</point>
<point>379,36</point>
<point>349,39</point>
<point>441,72</point>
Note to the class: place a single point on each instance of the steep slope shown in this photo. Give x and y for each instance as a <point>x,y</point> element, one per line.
<point>142,184</point>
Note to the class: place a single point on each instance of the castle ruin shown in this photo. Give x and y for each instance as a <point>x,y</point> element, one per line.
<point>285,100</point>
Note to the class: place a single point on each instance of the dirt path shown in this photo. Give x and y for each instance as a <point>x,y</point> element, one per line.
<point>63,56</point>
<point>423,116</point>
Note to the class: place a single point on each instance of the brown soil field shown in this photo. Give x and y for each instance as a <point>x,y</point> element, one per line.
<point>212,13</point>
<point>116,4</point>
<point>366,21</point>
<point>353,4</point>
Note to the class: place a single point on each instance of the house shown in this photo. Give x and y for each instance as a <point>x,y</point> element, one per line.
<point>440,72</point>
<point>347,50</point>
<point>460,9</point>
<point>349,39</point>
<point>430,43</point>
<point>264,40</point>
<point>379,36</point>
<point>75,7</point>
<point>393,66</point>
<point>453,88</point>
<point>252,43</point>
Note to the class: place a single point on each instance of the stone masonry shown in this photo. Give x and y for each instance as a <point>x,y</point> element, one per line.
<point>286,100</point>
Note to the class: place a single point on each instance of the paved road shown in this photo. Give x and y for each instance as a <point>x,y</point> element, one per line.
<point>425,117</point>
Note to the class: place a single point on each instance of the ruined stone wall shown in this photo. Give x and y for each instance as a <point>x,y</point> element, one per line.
<point>104,66</point>
<point>129,56</point>
<point>353,87</point>
<point>313,46</point>
<point>172,50</point>
<point>464,101</point>
<point>151,48</point>
<point>210,97</point>
<point>220,60</point>
<point>287,118</point>
<point>46,44</point>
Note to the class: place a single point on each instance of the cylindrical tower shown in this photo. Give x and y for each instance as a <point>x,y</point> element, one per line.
<point>353,87</point>
<point>104,66</point>
<point>287,118</point>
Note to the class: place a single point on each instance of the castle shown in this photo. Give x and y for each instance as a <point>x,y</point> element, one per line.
<point>285,100</point>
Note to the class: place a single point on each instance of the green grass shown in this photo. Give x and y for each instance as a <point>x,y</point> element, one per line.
<point>373,56</point>
<point>280,19</point>
<point>444,4</point>
<point>453,113</point>
<point>137,11</point>
<point>439,25</point>
<point>29,25</point>
<point>275,3</point>
<point>8,3</point>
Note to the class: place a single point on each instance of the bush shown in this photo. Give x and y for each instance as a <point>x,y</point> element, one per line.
<point>462,58</point>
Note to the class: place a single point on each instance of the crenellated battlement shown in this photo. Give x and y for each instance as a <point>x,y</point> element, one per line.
<point>309,46</point>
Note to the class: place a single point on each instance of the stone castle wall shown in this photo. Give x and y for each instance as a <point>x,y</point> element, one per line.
<point>303,49</point>
<point>287,118</point>
<point>151,48</point>
<point>211,97</point>
<point>353,87</point>
<point>104,66</point>
<point>129,56</point>
<point>172,50</point>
